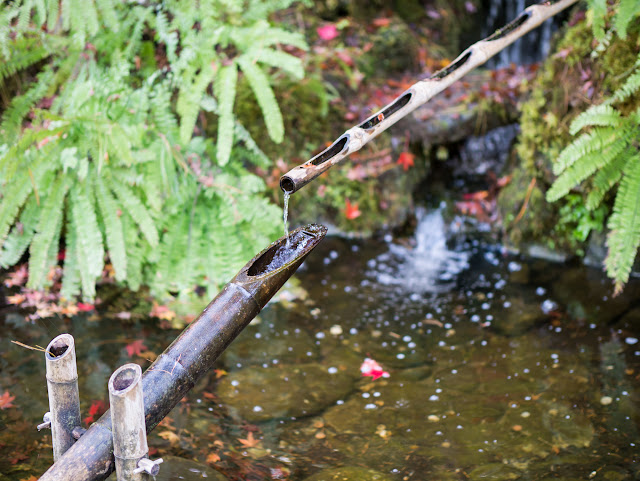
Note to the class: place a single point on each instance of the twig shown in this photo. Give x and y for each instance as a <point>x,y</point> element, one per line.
<point>526,200</point>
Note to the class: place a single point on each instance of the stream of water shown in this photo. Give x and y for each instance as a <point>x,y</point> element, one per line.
<point>498,368</point>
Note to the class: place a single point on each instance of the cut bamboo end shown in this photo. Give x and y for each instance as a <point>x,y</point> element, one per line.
<point>127,420</point>
<point>62,386</point>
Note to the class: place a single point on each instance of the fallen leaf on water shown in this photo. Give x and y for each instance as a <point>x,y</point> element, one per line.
<point>371,368</point>
<point>16,299</point>
<point>162,312</point>
<point>213,458</point>
<point>5,400</point>
<point>170,436</point>
<point>135,348</point>
<point>18,277</point>
<point>30,478</point>
<point>249,442</point>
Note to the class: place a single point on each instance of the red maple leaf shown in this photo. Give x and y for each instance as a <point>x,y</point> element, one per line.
<point>371,368</point>
<point>5,400</point>
<point>18,277</point>
<point>97,408</point>
<point>406,160</point>
<point>135,348</point>
<point>351,211</point>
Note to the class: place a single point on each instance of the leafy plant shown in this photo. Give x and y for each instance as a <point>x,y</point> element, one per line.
<point>98,150</point>
<point>609,150</point>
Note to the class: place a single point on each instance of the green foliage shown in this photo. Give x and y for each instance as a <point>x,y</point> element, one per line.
<point>108,166</point>
<point>609,152</point>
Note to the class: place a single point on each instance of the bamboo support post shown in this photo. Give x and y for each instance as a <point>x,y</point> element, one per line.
<point>193,353</point>
<point>62,386</point>
<point>127,418</point>
<point>419,93</point>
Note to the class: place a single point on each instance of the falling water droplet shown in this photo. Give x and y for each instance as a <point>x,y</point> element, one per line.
<point>285,216</point>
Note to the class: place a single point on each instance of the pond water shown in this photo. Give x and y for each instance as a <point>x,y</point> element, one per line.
<point>498,368</point>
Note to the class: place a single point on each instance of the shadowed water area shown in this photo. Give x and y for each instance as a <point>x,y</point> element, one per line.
<point>499,368</point>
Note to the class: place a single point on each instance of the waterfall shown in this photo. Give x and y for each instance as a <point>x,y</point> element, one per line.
<point>531,48</point>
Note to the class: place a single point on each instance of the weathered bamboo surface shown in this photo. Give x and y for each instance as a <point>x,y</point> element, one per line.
<point>192,354</point>
<point>419,93</point>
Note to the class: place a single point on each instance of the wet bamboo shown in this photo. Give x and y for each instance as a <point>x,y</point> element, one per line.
<point>419,93</point>
<point>127,419</point>
<point>192,354</point>
<point>62,386</point>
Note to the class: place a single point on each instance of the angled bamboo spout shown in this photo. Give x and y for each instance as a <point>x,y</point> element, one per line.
<point>193,353</point>
<point>419,93</point>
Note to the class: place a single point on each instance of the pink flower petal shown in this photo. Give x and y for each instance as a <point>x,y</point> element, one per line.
<point>327,32</point>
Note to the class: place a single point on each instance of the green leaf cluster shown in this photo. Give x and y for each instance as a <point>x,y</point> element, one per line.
<point>608,153</point>
<point>101,151</point>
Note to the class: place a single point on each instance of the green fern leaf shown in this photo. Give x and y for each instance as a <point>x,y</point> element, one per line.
<point>266,99</point>
<point>160,103</point>
<point>169,38</point>
<point>13,199</point>
<point>21,234</point>
<point>258,157</point>
<point>588,164</point>
<point>89,239</point>
<point>113,230</point>
<point>188,104</point>
<point>135,252</point>
<point>276,58</point>
<point>25,52</point>
<point>594,141</point>
<point>624,225</point>
<point>108,14</point>
<point>628,89</point>
<point>627,11</point>
<point>136,210</point>
<point>53,9</point>
<point>45,238</point>
<point>20,105</point>
<point>70,270</point>
<point>225,87</point>
<point>598,115</point>
<point>605,179</point>
<point>599,8</point>
<point>273,36</point>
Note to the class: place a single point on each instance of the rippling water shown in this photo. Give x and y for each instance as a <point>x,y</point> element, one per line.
<point>498,368</point>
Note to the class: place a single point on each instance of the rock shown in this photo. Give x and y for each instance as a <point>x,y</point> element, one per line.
<point>494,472</point>
<point>260,394</point>
<point>518,318</point>
<point>175,468</point>
<point>588,295</point>
<point>349,473</point>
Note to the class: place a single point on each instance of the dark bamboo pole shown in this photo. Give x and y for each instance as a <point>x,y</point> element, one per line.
<point>419,93</point>
<point>193,353</point>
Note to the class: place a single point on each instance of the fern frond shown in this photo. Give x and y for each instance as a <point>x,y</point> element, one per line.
<point>599,8</point>
<point>627,11</point>
<point>279,59</point>
<point>136,210</point>
<point>266,99</point>
<point>108,13</point>
<point>225,88</point>
<point>160,103</point>
<point>20,105</point>
<point>605,179</point>
<point>628,89</point>
<point>113,229</point>
<point>71,267</point>
<point>166,36</point>
<point>135,252</point>
<point>14,196</point>
<point>188,104</point>
<point>258,158</point>
<point>599,115</point>
<point>18,240</point>
<point>624,225</point>
<point>25,52</point>
<point>588,164</point>
<point>593,141</point>
<point>274,36</point>
<point>89,239</point>
<point>45,237</point>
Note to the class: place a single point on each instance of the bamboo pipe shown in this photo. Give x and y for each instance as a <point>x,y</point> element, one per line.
<point>127,419</point>
<point>419,93</point>
<point>193,353</point>
<point>62,387</point>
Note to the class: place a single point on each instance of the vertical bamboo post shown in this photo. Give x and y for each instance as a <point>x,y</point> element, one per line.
<point>62,385</point>
<point>129,430</point>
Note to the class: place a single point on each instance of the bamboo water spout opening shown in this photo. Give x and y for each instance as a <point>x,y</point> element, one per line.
<point>192,353</point>
<point>419,93</point>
